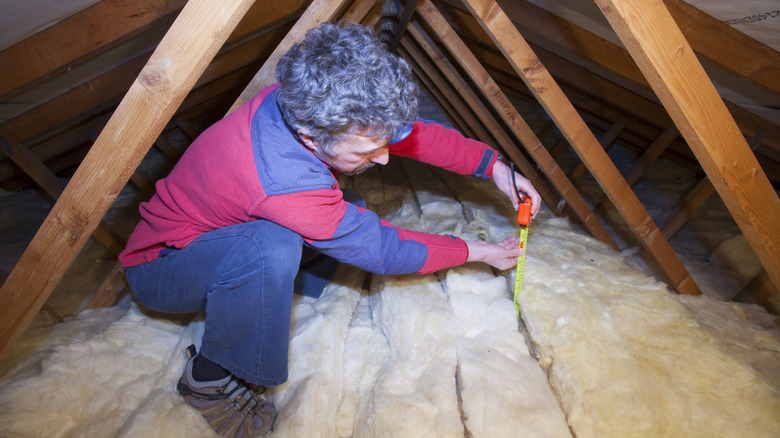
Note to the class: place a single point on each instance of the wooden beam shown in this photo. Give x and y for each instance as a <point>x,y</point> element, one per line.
<point>82,101</point>
<point>176,64</point>
<point>612,57</point>
<point>462,88</point>
<point>504,33</point>
<point>318,12</point>
<point>438,99</point>
<point>726,47</point>
<point>606,141</point>
<point>403,22</point>
<point>648,157</point>
<point>759,291</point>
<point>694,200</point>
<point>452,99</point>
<point>515,121</point>
<point>91,31</point>
<point>53,186</point>
<point>106,91</point>
<point>670,65</point>
<point>360,10</point>
<point>464,103</point>
<point>110,289</point>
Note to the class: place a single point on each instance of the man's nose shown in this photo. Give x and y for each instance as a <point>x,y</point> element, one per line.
<point>381,158</point>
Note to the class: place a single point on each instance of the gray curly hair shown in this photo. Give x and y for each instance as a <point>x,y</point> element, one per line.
<point>341,79</point>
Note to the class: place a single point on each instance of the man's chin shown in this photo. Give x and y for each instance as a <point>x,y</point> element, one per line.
<point>359,170</point>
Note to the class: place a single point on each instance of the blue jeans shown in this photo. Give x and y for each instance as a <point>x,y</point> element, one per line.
<point>243,276</point>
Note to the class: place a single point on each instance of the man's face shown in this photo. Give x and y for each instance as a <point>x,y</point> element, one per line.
<point>355,154</point>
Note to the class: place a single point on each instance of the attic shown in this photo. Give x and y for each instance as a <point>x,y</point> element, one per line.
<point>556,86</point>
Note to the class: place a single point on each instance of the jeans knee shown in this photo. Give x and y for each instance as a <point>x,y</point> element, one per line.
<point>277,253</point>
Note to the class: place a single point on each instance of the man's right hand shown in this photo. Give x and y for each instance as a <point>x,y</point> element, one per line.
<point>501,255</point>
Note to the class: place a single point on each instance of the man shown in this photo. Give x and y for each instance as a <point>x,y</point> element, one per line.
<point>226,230</point>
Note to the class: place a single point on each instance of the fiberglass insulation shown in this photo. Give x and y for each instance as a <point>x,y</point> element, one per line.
<point>436,355</point>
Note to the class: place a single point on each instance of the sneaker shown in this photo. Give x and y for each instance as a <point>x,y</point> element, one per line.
<point>230,407</point>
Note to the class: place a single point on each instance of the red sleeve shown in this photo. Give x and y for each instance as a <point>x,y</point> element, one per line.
<point>437,145</point>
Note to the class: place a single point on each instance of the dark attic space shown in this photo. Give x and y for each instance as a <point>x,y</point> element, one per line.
<point>646,302</point>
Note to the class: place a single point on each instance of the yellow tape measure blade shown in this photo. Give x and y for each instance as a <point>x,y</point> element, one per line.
<point>520,267</point>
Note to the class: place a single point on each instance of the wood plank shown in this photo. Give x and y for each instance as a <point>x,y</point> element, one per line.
<point>504,33</point>
<point>110,289</point>
<point>360,10</point>
<point>670,65</point>
<point>403,22</point>
<point>693,201</point>
<point>462,102</point>
<point>176,64</point>
<point>606,141</point>
<point>455,119</point>
<point>91,31</point>
<point>726,47</point>
<point>612,57</point>
<point>515,121</point>
<point>53,186</point>
<point>649,156</point>
<point>462,88</point>
<point>318,12</point>
<point>759,291</point>
<point>106,91</point>
<point>86,99</point>
<point>452,99</point>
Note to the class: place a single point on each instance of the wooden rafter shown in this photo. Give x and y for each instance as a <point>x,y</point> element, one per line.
<point>617,60</point>
<point>540,82</point>
<point>319,11</point>
<point>510,115</point>
<point>670,65</point>
<point>469,105</point>
<point>162,85</point>
<point>54,49</point>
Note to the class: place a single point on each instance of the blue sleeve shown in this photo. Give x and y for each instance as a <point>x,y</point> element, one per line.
<point>362,240</point>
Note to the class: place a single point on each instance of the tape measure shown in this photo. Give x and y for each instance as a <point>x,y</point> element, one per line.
<point>523,218</point>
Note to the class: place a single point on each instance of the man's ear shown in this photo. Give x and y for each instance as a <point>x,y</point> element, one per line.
<point>307,140</point>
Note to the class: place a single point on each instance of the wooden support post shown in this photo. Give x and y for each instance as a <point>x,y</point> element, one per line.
<point>670,65</point>
<point>758,291</point>
<point>509,113</point>
<point>170,73</point>
<point>517,51</point>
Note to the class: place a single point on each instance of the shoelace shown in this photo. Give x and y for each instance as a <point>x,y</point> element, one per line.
<point>234,390</point>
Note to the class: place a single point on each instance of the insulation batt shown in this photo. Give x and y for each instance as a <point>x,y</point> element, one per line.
<point>614,353</point>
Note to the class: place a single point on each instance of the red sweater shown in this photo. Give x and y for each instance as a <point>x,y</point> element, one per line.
<point>249,166</point>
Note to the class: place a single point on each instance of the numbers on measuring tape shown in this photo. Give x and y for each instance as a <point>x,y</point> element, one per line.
<point>520,267</point>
